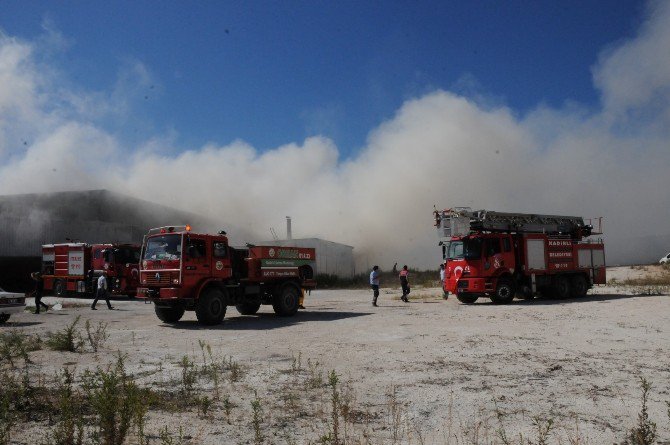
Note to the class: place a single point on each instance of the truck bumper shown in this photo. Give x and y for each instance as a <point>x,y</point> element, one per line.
<point>471,286</point>
<point>160,293</point>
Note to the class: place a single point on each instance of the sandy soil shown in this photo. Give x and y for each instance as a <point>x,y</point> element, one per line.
<point>575,361</point>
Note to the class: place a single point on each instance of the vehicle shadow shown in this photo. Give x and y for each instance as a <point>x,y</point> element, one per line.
<point>21,324</point>
<point>265,321</point>
<point>547,301</point>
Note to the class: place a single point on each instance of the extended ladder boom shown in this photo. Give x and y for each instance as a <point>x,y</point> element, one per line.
<point>461,221</point>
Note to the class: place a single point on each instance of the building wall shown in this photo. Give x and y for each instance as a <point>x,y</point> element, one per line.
<point>93,216</point>
<point>331,258</point>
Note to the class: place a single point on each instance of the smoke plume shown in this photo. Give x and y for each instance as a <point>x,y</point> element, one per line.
<point>439,149</point>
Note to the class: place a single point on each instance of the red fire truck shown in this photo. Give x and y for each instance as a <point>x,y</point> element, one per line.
<point>73,268</point>
<point>503,255</point>
<point>181,271</point>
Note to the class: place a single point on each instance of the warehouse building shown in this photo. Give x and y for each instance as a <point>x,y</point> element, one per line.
<point>331,258</point>
<point>101,216</point>
<point>92,216</point>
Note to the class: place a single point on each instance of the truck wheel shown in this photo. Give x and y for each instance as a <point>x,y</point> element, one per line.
<point>59,288</point>
<point>4,317</point>
<point>579,286</point>
<point>504,293</point>
<point>248,308</point>
<point>561,288</point>
<point>287,300</point>
<point>525,293</point>
<point>169,314</point>
<point>467,298</point>
<point>211,308</point>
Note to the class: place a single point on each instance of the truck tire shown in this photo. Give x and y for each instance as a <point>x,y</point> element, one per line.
<point>504,293</point>
<point>524,293</point>
<point>561,288</point>
<point>4,317</point>
<point>169,314</point>
<point>467,298</point>
<point>286,302</point>
<point>579,286</point>
<point>60,290</point>
<point>248,308</point>
<point>211,307</point>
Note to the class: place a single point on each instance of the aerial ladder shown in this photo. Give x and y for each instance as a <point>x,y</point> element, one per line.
<point>461,221</point>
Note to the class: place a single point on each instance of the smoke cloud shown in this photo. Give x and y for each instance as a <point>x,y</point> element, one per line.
<point>439,149</point>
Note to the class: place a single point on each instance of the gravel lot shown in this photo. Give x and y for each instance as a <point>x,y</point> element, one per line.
<point>454,366</point>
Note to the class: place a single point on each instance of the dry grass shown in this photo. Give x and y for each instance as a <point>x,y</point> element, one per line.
<point>305,404</point>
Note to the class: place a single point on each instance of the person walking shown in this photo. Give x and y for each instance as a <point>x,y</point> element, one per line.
<point>404,283</point>
<point>38,292</point>
<point>445,294</point>
<point>101,291</point>
<point>374,284</point>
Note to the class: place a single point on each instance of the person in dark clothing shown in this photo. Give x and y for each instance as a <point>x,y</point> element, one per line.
<point>101,292</point>
<point>404,283</point>
<point>38,292</point>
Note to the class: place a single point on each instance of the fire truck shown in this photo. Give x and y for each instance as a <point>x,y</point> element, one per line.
<point>184,271</point>
<point>503,255</point>
<point>72,269</point>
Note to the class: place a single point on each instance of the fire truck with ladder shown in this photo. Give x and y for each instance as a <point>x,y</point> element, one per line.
<point>71,269</point>
<point>503,255</point>
<point>184,271</point>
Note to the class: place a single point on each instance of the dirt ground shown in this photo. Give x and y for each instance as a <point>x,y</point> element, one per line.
<point>454,367</point>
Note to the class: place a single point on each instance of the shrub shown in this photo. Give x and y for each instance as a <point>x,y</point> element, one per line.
<point>69,339</point>
<point>117,403</point>
<point>644,433</point>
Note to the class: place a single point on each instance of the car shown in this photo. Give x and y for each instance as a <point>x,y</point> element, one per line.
<point>665,259</point>
<point>11,303</point>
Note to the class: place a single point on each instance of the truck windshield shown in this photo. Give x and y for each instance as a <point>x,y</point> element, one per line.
<point>124,255</point>
<point>469,249</point>
<point>165,247</point>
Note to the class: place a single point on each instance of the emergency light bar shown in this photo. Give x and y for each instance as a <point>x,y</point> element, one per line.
<point>170,229</point>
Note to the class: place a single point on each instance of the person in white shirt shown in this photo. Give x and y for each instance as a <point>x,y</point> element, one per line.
<point>374,284</point>
<point>101,291</point>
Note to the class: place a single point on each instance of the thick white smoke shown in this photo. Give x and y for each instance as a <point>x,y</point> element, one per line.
<point>439,149</point>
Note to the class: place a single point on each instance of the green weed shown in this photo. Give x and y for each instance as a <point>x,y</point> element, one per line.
<point>644,433</point>
<point>69,339</point>
<point>96,336</point>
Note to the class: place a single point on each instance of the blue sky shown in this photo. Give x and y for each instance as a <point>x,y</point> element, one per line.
<point>270,73</point>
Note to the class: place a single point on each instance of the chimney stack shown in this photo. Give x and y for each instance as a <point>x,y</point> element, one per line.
<point>288,228</point>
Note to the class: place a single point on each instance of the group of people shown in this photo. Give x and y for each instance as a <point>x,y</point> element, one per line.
<point>100,291</point>
<point>403,275</point>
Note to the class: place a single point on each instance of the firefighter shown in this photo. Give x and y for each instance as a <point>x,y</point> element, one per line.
<point>39,290</point>
<point>101,291</point>
<point>374,284</point>
<point>404,283</point>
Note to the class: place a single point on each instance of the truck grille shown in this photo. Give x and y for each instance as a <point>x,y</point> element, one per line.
<point>159,278</point>
<point>463,284</point>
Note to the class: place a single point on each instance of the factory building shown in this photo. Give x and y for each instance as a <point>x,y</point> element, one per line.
<point>101,216</point>
<point>92,216</point>
<point>331,258</point>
